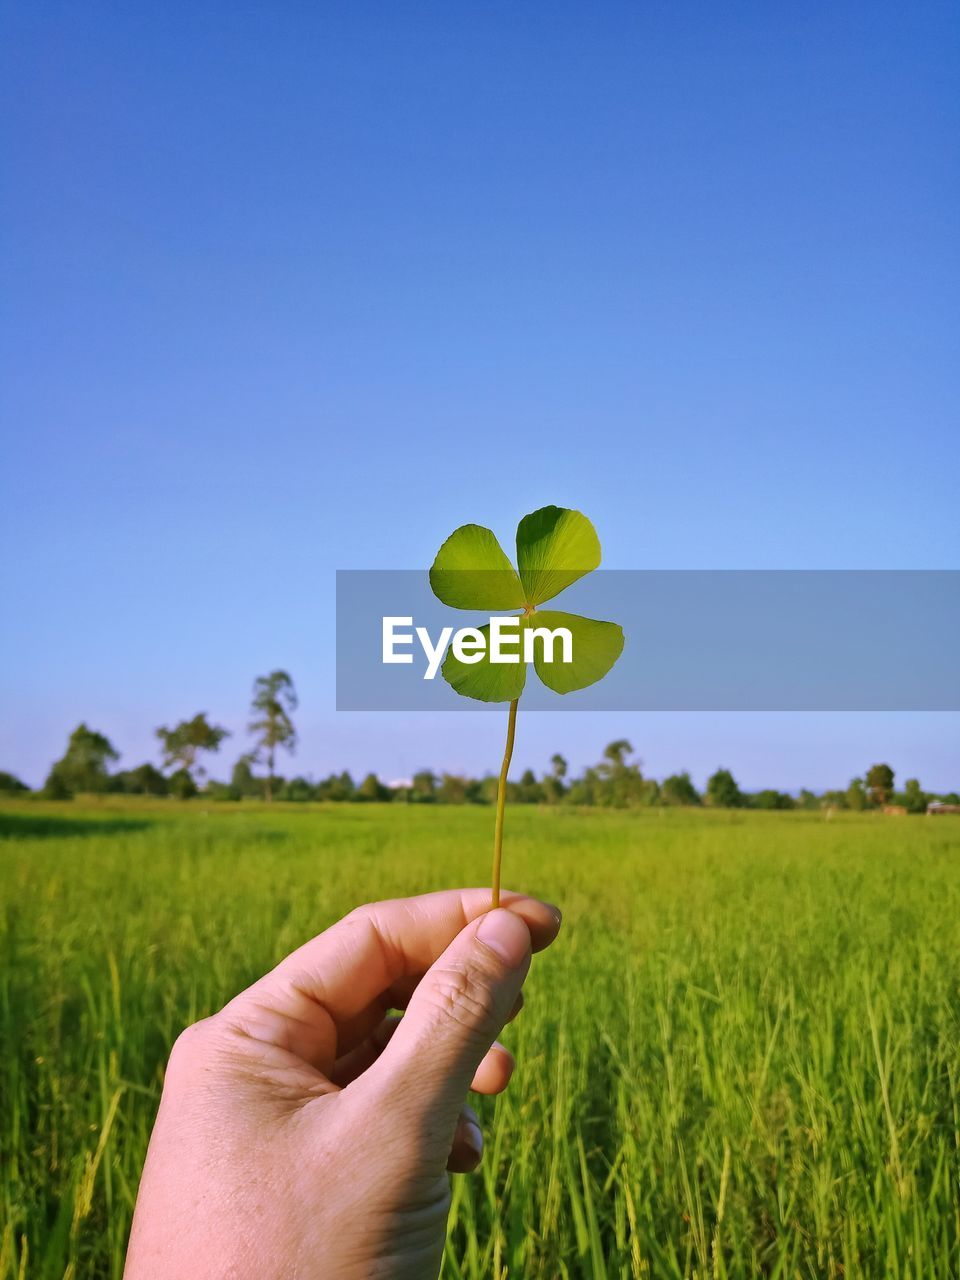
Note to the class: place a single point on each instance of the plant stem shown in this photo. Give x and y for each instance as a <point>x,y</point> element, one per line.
<point>501,801</point>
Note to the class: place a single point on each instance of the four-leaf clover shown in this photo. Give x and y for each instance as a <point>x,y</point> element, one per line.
<point>555,547</point>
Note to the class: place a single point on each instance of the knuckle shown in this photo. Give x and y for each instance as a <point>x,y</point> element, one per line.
<point>463,994</point>
<point>192,1043</point>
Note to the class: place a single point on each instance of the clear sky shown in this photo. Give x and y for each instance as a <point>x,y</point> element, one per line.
<point>293,287</point>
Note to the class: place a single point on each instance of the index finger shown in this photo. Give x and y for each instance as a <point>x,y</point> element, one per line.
<point>335,976</point>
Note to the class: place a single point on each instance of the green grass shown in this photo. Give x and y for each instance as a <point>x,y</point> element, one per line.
<point>742,1058</point>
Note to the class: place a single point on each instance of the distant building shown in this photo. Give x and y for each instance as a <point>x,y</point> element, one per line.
<point>935,808</point>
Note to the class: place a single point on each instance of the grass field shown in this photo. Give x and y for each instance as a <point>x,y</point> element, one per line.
<point>742,1058</point>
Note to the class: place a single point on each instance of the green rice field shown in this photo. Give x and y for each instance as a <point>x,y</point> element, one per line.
<point>742,1057</point>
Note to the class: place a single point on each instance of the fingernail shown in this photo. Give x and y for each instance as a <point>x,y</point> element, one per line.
<point>506,934</point>
<point>472,1138</point>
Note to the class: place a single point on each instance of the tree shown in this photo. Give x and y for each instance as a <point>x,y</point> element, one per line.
<point>55,788</point>
<point>144,780</point>
<point>915,799</point>
<point>587,789</point>
<point>299,789</point>
<point>621,784</point>
<point>528,789</point>
<point>834,800</point>
<point>9,782</point>
<point>723,792</point>
<point>552,785</point>
<point>84,764</point>
<point>242,781</point>
<point>423,787</point>
<point>274,700</point>
<point>182,785</point>
<point>856,795</point>
<point>616,753</point>
<point>679,790</point>
<point>453,789</point>
<point>371,788</point>
<point>183,743</point>
<point>339,786</point>
<point>770,799</point>
<point>879,782</point>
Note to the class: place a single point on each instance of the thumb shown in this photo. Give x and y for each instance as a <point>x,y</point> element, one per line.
<point>457,1011</point>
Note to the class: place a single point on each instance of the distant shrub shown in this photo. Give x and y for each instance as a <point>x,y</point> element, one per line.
<point>679,790</point>
<point>55,787</point>
<point>297,789</point>
<point>770,799</point>
<point>182,785</point>
<point>144,780</point>
<point>723,792</point>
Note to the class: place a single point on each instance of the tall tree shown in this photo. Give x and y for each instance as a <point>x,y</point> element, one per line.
<point>84,764</point>
<point>856,795</point>
<point>914,797</point>
<point>679,790</point>
<point>622,784</point>
<point>274,700</point>
<point>616,753</point>
<point>182,744</point>
<point>723,792</point>
<point>553,788</point>
<point>879,782</point>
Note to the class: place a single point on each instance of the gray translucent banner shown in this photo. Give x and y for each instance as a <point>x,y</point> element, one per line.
<point>729,640</point>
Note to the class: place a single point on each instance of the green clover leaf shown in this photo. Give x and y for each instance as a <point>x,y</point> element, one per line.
<point>555,547</point>
<point>472,571</point>
<point>485,680</point>
<point>596,647</point>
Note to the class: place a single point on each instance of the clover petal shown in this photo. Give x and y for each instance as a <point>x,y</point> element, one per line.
<point>472,571</point>
<point>555,546</point>
<point>596,647</point>
<point>485,680</point>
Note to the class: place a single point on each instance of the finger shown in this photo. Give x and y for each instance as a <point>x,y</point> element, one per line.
<point>353,1031</point>
<point>358,1029</point>
<point>331,980</point>
<point>451,1023</point>
<point>492,1076</point>
<point>352,1064</point>
<point>467,1150</point>
<point>494,1072</point>
<point>377,945</point>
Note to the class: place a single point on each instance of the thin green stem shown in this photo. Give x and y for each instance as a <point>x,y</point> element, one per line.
<point>501,801</point>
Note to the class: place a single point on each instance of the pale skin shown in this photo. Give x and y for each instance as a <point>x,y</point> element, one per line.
<point>306,1132</point>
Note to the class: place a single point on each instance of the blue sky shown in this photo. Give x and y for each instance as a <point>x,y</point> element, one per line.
<point>293,288</point>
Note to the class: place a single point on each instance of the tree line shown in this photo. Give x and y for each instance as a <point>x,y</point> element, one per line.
<point>84,767</point>
<point>616,781</point>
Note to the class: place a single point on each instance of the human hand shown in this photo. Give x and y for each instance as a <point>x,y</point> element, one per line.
<point>303,1132</point>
